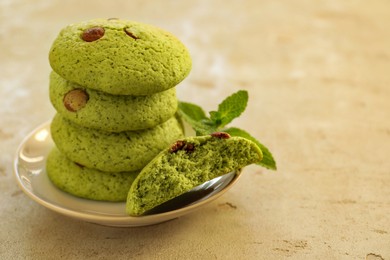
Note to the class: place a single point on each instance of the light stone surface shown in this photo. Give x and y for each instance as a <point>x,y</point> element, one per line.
<point>318,77</point>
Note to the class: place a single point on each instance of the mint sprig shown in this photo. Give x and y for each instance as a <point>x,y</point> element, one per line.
<point>229,109</point>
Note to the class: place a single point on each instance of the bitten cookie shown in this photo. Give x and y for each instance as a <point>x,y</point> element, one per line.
<point>186,164</point>
<point>120,57</point>
<point>113,113</point>
<point>113,152</point>
<point>87,183</point>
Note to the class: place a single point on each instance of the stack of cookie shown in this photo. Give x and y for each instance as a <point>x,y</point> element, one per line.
<point>113,86</point>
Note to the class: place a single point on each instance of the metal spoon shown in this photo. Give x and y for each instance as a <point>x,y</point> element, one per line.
<point>196,194</point>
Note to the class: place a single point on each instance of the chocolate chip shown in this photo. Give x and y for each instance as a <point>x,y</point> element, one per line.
<point>92,34</point>
<point>75,100</point>
<point>182,145</point>
<point>177,146</point>
<point>189,148</point>
<point>131,34</point>
<point>220,135</point>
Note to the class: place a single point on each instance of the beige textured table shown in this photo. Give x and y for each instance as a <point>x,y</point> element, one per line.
<point>318,74</point>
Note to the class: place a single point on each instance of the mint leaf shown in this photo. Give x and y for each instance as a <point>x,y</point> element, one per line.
<point>215,118</point>
<point>230,108</point>
<point>196,117</point>
<point>192,111</point>
<point>268,160</point>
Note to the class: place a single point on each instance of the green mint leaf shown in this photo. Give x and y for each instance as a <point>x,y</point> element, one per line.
<point>192,111</point>
<point>215,118</point>
<point>231,108</point>
<point>196,118</point>
<point>268,160</point>
<point>205,127</point>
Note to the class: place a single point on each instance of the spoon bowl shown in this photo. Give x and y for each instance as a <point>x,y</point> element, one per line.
<point>195,195</point>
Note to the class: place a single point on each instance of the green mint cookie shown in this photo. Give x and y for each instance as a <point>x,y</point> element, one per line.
<point>85,182</point>
<point>112,113</point>
<point>120,57</point>
<point>112,152</point>
<point>186,164</point>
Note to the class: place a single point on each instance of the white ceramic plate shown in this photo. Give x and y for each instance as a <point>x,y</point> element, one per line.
<point>29,168</point>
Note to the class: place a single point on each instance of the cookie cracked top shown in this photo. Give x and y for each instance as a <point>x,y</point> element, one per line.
<point>120,57</point>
